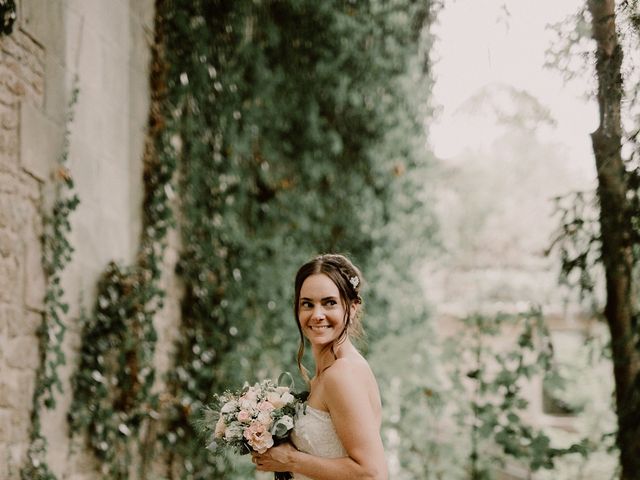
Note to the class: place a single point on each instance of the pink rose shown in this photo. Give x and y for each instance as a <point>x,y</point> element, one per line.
<point>258,437</point>
<point>274,399</point>
<point>250,395</point>
<point>243,416</point>
<point>265,406</point>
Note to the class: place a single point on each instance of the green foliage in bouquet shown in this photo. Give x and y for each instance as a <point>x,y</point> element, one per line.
<point>296,135</point>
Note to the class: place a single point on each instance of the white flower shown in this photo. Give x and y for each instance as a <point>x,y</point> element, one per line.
<point>229,407</point>
<point>249,405</point>
<point>250,395</point>
<point>275,399</point>
<point>287,398</point>
<point>233,432</point>
<point>265,418</point>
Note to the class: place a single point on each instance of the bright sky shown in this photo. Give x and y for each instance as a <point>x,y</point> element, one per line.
<point>480,44</point>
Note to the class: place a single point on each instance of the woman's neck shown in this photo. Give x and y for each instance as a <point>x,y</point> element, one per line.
<point>324,356</point>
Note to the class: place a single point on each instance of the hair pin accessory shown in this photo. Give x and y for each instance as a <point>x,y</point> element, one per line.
<point>354,281</point>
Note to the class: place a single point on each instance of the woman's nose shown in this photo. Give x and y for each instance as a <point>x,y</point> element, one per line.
<point>318,313</point>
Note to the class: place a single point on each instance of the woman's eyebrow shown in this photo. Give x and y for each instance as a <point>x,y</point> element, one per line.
<point>307,299</point>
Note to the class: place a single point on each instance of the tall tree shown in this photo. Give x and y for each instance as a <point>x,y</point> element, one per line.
<point>616,227</point>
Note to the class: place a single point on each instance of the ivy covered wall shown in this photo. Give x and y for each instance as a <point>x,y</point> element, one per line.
<point>211,149</point>
<point>297,125</point>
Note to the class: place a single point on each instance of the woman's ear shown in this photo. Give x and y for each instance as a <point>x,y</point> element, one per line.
<point>353,310</point>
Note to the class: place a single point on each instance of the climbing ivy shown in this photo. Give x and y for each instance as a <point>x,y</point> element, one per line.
<point>296,137</point>
<point>112,387</point>
<point>57,253</point>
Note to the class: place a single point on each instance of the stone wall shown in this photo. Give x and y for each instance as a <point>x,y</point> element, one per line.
<point>106,44</point>
<point>22,71</point>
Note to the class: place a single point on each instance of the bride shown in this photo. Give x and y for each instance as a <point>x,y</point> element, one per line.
<point>337,433</point>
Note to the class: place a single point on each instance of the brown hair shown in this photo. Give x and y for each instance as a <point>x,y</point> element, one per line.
<point>347,277</point>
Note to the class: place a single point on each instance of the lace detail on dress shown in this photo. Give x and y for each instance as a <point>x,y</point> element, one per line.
<point>314,433</point>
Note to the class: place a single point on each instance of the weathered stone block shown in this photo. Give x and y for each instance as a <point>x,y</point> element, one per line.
<point>9,243</point>
<point>5,212</point>
<point>28,44</point>
<point>8,117</point>
<point>40,141</point>
<point>21,388</point>
<point>4,328</point>
<point>20,322</point>
<point>9,150</point>
<point>22,352</point>
<point>5,426</point>
<point>30,189</point>
<point>8,319</point>
<point>10,277</point>
<point>5,392</point>
<point>16,455</point>
<point>44,20</point>
<point>10,80</point>
<point>4,462</point>
<point>20,425</point>
<point>6,97</point>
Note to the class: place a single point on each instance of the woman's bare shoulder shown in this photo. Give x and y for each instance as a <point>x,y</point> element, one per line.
<point>352,365</point>
<point>351,372</point>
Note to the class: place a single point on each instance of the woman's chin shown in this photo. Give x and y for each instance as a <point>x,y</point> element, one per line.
<point>320,336</point>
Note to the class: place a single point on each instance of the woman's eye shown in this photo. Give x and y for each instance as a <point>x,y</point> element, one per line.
<point>332,303</point>
<point>306,304</point>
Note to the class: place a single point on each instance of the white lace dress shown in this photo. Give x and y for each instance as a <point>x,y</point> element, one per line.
<point>315,434</point>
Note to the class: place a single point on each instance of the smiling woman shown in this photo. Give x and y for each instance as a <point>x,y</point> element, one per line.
<point>337,432</point>
<point>327,297</point>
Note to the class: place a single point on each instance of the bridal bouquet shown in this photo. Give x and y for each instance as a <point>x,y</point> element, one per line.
<point>253,419</point>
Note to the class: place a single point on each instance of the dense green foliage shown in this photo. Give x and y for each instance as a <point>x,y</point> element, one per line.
<point>297,136</point>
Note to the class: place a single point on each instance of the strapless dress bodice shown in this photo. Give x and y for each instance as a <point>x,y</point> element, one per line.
<point>315,434</point>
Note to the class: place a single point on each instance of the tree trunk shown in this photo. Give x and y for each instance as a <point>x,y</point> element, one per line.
<point>615,227</point>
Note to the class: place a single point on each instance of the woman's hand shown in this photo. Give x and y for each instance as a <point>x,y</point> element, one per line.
<point>276,459</point>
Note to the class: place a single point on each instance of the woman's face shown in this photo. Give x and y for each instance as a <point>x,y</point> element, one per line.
<point>321,313</point>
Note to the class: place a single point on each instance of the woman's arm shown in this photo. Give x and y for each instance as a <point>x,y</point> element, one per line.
<point>356,425</point>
